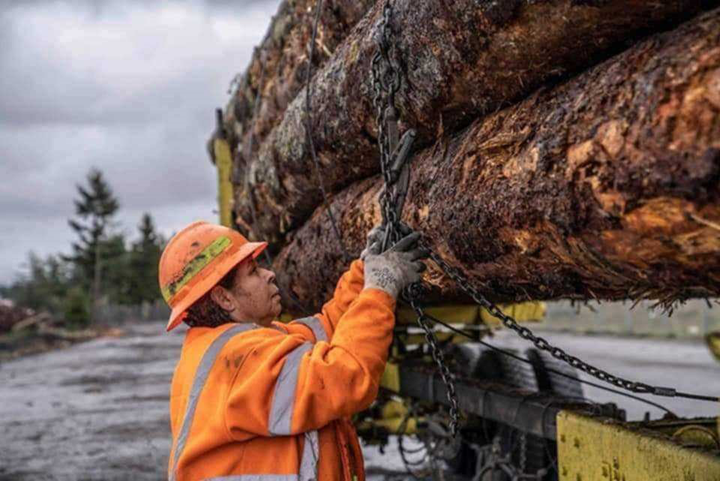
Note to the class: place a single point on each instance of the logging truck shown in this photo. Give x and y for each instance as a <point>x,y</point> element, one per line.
<point>561,149</point>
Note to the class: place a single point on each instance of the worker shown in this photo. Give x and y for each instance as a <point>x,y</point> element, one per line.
<point>253,399</point>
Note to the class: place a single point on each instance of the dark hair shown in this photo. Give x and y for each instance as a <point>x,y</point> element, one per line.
<point>207,313</point>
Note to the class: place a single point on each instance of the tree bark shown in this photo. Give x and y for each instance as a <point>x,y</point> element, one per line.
<point>279,65</point>
<point>605,187</point>
<point>460,60</point>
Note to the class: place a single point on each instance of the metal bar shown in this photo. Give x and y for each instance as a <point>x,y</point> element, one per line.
<point>527,411</point>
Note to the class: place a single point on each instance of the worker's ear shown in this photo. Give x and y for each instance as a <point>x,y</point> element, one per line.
<point>222,298</point>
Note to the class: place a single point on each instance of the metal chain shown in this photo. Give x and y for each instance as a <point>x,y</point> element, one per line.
<point>386,82</point>
<point>522,465</point>
<point>542,344</point>
<point>438,356</point>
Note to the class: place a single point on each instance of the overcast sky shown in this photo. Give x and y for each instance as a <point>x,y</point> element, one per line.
<point>128,87</point>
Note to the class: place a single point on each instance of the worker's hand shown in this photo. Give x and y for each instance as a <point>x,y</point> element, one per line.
<point>397,267</point>
<point>375,238</point>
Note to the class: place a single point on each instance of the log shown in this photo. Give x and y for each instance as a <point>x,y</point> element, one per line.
<point>32,322</point>
<point>605,187</point>
<point>54,333</point>
<point>461,60</point>
<point>279,65</point>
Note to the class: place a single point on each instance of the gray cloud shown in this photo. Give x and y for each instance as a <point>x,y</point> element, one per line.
<point>128,87</point>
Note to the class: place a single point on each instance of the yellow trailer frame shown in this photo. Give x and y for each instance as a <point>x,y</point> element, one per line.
<point>223,161</point>
<point>602,449</point>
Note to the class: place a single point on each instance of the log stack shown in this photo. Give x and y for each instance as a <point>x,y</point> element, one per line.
<point>279,66</point>
<point>567,149</point>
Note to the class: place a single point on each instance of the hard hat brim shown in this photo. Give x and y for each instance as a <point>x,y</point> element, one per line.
<point>249,249</point>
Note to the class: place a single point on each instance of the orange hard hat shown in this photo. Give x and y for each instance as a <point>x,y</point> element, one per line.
<point>196,259</point>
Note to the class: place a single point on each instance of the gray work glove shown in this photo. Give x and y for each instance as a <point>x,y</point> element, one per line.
<point>375,238</point>
<point>396,268</point>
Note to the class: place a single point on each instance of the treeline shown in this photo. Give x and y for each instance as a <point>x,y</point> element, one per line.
<point>104,267</point>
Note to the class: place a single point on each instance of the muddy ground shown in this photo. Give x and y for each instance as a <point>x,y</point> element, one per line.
<point>99,410</point>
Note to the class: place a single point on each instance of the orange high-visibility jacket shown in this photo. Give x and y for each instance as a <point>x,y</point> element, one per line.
<point>273,404</point>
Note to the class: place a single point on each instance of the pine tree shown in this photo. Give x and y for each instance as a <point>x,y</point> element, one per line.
<point>94,210</point>
<point>115,272</point>
<point>144,260</point>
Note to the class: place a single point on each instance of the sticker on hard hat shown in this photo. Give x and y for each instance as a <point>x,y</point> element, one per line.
<point>197,264</point>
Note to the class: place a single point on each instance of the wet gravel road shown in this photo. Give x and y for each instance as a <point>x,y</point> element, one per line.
<point>99,410</point>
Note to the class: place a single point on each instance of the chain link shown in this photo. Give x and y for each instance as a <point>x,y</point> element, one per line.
<point>386,82</point>
<point>523,452</point>
<point>438,356</point>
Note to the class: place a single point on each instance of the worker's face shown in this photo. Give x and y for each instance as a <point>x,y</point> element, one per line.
<point>255,297</point>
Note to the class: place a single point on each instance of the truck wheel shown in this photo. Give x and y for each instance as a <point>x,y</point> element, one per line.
<point>486,364</point>
<point>563,380</point>
<point>564,384</point>
<point>483,363</point>
<point>521,375</point>
<point>472,361</point>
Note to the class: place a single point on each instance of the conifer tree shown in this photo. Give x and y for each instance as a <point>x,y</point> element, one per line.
<point>116,273</point>
<point>144,260</point>
<point>94,211</point>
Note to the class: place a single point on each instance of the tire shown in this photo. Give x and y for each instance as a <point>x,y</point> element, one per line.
<point>521,375</point>
<point>486,364</point>
<point>472,360</point>
<point>563,382</point>
<point>489,365</point>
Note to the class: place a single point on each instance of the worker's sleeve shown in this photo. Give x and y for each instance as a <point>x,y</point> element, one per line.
<point>322,326</point>
<point>288,385</point>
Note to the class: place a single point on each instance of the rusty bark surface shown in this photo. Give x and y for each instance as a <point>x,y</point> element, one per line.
<point>283,56</point>
<point>460,59</point>
<point>605,187</point>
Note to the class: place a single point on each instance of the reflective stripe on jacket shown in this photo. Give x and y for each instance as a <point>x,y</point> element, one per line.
<point>273,404</point>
